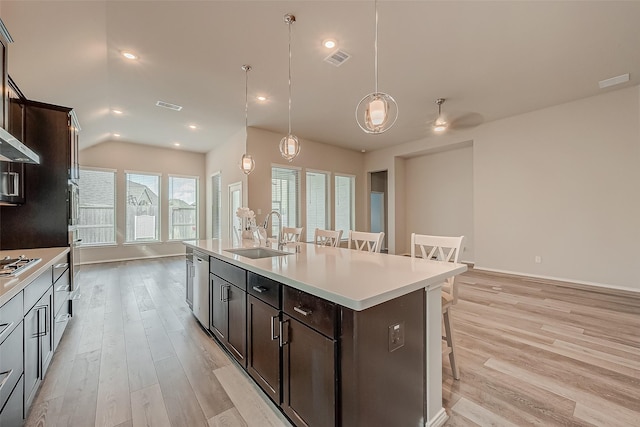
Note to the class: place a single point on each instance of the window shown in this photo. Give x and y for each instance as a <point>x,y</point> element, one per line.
<point>97,213</point>
<point>345,188</point>
<point>317,202</point>
<point>183,208</point>
<point>285,190</point>
<point>142,211</point>
<point>216,208</point>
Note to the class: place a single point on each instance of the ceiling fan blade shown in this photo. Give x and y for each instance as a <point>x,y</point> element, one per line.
<point>466,121</point>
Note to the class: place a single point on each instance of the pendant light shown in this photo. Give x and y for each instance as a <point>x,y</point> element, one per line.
<point>440,125</point>
<point>247,164</point>
<point>377,112</point>
<point>289,145</point>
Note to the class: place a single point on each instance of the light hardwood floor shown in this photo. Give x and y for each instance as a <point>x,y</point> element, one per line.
<point>530,353</point>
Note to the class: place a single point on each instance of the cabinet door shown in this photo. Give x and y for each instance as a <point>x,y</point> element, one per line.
<point>237,323</point>
<point>45,320</point>
<point>219,312</point>
<point>31,355</point>
<point>263,348</point>
<point>309,375</point>
<point>189,282</point>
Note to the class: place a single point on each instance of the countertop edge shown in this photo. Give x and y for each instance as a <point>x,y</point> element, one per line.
<point>357,305</point>
<point>17,284</point>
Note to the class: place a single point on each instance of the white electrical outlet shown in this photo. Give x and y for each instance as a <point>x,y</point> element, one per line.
<point>538,259</point>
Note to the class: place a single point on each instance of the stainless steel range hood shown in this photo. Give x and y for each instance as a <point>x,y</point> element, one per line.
<point>12,150</point>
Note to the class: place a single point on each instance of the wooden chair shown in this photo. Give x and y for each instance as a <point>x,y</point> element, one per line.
<point>327,237</point>
<point>360,239</point>
<point>291,234</point>
<point>441,248</point>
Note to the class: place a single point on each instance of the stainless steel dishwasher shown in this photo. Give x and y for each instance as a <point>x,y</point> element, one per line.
<point>201,299</point>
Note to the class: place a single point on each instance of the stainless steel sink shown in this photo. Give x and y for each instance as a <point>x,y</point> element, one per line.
<point>256,253</point>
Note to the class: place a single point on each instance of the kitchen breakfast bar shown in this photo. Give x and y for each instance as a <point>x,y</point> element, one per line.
<point>332,336</point>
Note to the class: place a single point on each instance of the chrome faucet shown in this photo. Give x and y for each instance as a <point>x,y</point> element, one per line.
<point>281,241</point>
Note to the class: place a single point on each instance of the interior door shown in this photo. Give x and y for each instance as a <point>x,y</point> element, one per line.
<point>235,201</point>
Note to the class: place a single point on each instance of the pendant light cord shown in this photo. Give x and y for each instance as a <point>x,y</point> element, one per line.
<point>290,22</point>
<point>246,99</point>
<point>375,46</point>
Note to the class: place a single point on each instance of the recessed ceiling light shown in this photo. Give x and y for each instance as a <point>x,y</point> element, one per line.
<point>193,127</point>
<point>261,98</point>
<point>116,135</point>
<point>329,43</point>
<point>116,111</point>
<point>177,144</point>
<point>129,55</point>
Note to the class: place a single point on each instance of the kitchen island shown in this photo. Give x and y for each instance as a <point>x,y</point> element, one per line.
<point>333,336</point>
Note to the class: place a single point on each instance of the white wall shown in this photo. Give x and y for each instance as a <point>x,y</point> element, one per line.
<point>225,159</point>
<point>439,195</point>
<point>560,183</point>
<point>263,146</point>
<point>123,156</point>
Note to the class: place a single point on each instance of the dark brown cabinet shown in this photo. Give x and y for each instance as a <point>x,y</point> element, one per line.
<point>228,291</point>
<point>43,220</point>
<point>264,357</point>
<point>309,356</point>
<point>5,38</point>
<point>12,176</point>
<point>38,344</point>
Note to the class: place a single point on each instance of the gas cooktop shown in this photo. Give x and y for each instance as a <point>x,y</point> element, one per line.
<point>14,266</point>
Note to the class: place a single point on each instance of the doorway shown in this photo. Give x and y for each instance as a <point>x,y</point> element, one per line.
<point>378,205</point>
<point>235,201</point>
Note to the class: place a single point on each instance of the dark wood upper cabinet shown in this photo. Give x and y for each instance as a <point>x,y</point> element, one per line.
<point>5,39</point>
<point>43,219</point>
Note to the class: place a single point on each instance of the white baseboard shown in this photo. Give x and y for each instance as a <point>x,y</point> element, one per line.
<point>559,279</point>
<point>439,420</point>
<point>131,259</point>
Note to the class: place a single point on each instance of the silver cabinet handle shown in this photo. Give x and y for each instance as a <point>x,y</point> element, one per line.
<point>63,288</point>
<point>16,184</point>
<point>260,289</point>
<point>284,341</point>
<point>6,328</point>
<point>63,318</point>
<point>273,336</point>
<point>63,265</point>
<point>6,374</point>
<point>302,311</point>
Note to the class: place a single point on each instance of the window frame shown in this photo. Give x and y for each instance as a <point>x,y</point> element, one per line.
<point>352,208</point>
<point>159,213</point>
<point>115,206</point>
<point>197,191</point>
<point>328,198</point>
<point>298,202</point>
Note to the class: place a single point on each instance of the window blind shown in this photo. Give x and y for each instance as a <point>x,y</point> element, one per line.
<point>216,197</point>
<point>96,210</point>
<point>183,208</point>
<point>317,202</point>
<point>285,196</point>
<point>344,203</point>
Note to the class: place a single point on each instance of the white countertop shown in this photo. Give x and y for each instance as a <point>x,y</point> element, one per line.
<point>353,279</point>
<point>11,286</point>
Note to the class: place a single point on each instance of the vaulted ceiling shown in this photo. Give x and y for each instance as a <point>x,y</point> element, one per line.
<point>490,60</point>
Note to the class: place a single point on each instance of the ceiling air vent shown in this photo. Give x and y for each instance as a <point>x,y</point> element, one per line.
<point>168,105</point>
<point>337,58</point>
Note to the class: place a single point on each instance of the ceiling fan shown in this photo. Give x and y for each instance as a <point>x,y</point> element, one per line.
<point>446,122</point>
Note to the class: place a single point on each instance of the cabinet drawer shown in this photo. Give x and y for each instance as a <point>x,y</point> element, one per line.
<point>61,291</point>
<point>10,316</point>
<point>59,269</point>
<point>34,291</point>
<point>263,288</point>
<point>10,363</point>
<point>315,312</point>
<point>11,414</point>
<point>235,275</point>
<point>60,322</point>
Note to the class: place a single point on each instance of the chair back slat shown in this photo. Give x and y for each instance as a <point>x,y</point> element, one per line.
<point>360,239</point>
<point>291,234</point>
<point>439,248</point>
<point>327,237</point>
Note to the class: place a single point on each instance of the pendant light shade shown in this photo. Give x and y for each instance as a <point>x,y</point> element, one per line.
<point>440,125</point>
<point>377,112</point>
<point>289,145</point>
<point>247,164</point>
